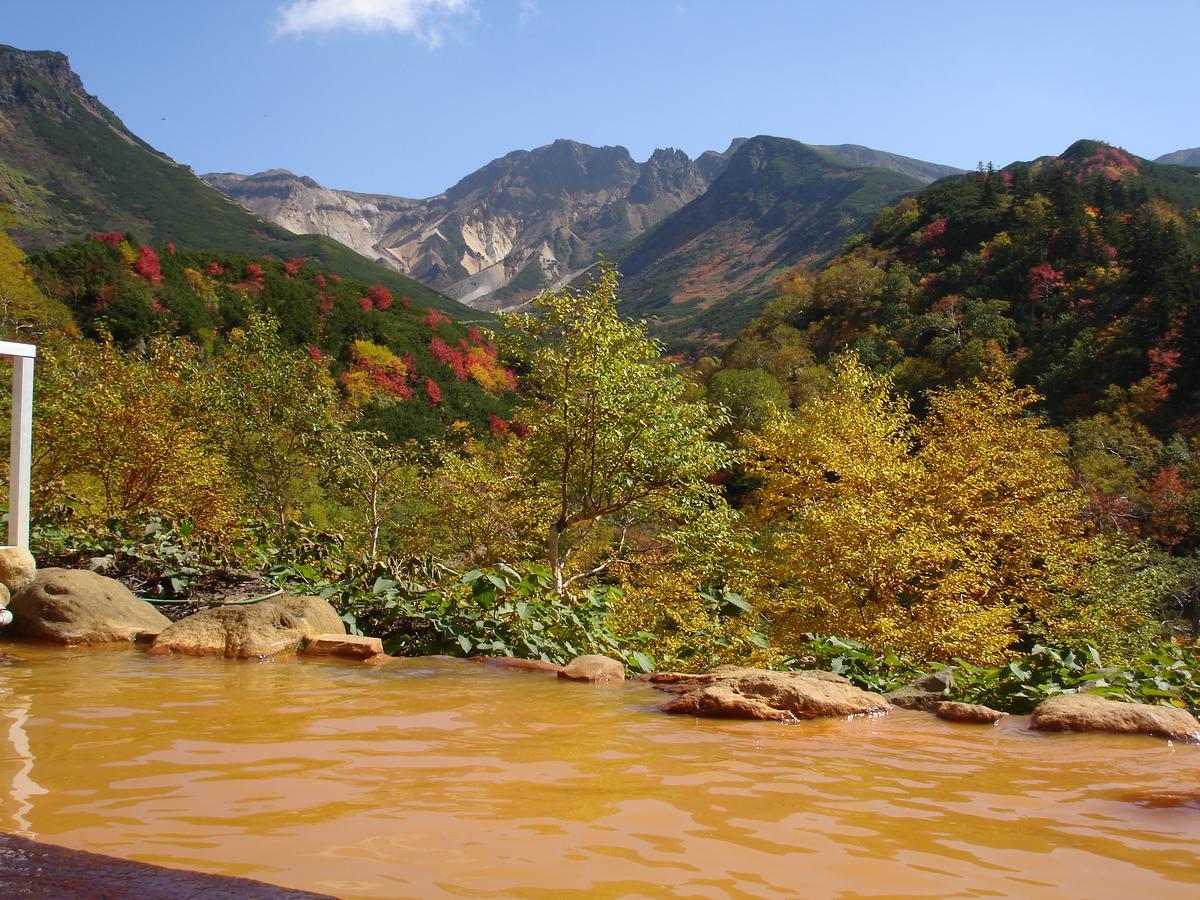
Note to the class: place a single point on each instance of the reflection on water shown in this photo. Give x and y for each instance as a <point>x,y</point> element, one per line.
<point>442,778</point>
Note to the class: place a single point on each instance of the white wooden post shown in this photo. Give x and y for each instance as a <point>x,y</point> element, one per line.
<point>21,446</point>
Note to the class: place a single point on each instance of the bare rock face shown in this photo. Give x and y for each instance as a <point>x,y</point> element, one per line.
<point>71,606</point>
<point>1089,712</point>
<point>17,568</point>
<point>968,713</point>
<point>593,668</point>
<point>353,646</point>
<point>775,696</point>
<point>532,217</point>
<point>260,630</point>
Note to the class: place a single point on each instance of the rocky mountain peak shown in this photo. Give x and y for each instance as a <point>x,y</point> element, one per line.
<point>525,221</point>
<point>42,79</point>
<point>533,219</point>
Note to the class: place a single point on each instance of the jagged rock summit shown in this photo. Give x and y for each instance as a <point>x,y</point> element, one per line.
<point>531,219</point>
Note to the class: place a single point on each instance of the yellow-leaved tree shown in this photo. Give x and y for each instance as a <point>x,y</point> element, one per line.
<point>947,537</point>
<point>126,433</point>
<point>26,314</point>
<point>613,441</point>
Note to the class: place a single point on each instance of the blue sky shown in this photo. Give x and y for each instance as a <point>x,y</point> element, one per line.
<point>407,96</point>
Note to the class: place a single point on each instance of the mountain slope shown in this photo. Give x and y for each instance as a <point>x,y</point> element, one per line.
<point>70,168</point>
<point>707,269</point>
<point>858,155</point>
<point>404,368</point>
<point>528,220</point>
<point>1081,269</point>
<point>1181,158</point>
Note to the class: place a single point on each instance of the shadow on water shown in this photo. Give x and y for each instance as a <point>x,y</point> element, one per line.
<point>32,869</point>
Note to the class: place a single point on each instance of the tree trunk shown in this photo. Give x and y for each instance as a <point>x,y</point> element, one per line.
<point>374,523</point>
<point>555,561</point>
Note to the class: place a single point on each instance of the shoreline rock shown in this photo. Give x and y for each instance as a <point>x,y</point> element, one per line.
<point>351,646</point>
<point>517,664</point>
<point>594,669</point>
<point>257,630</point>
<point>772,696</point>
<point>1091,712</point>
<point>966,713</point>
<point>18,568</point>
<point>925,691</point>
<point>74,606</point>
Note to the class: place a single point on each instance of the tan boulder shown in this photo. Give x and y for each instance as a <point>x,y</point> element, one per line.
<point>17,568</point>
<point>777,696</point>
<point>593,668</point>
<point>355,646</point>
<point>684,682</point>
<point>70,606</point>
<point>1091,712</point>
<point>967,713</point>
<point>261,629</point>
<point>522,665</point>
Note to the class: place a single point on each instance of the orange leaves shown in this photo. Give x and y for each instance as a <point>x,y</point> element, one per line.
<point>376,371</point>
<point>476,359</point>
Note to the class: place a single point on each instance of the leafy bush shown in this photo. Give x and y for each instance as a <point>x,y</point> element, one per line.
<point>1166,675</point>
<point>498,611</point>
<point>160,558</point>
<point>682,627</point>
<point>855,661</point>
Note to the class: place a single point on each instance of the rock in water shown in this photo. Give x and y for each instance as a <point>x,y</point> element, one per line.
<point>1090,712</point>
<point>354,646</point>
<point>70,606</point>
<point>593,668</point>
<point>924,692</point>
<point>17,568</point>
<point>259,630</point>
<point>520,665</point>
<point>777,696</point>
<point>969,713</point>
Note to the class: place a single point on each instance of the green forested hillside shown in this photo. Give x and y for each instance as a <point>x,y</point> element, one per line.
<point>1081,272</point>
<point>69,168</point>
<point>406,368</point>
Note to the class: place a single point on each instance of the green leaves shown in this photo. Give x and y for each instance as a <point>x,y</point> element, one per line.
<point>1165,676</point>
<point>502,610</point>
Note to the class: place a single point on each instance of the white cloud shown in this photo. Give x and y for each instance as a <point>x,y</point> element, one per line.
<point>424,19</point>
<point>528,11</point>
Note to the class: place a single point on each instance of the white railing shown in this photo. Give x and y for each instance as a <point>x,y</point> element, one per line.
<point>21,447</point>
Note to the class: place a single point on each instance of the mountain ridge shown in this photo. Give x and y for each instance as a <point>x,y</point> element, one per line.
<point>533,217</point>
<point>527,220</point>
<point>1181,158</point>
<point>705,271</point>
